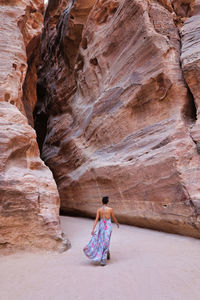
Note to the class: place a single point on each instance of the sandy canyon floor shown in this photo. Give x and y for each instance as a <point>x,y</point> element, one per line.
<point>145,265</point>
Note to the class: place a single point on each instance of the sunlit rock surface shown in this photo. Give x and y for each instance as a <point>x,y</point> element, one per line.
<point>114,114</point>
<point>29,201</point>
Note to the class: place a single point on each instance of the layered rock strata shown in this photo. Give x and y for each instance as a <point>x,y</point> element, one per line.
<point>190,59</point>
<point>29,201</point>
<point>114,114</point>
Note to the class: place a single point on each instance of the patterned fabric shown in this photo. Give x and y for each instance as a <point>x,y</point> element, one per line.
<point>98,247</point>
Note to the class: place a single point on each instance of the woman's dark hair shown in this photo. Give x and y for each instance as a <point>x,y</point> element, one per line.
<point>105,199</point>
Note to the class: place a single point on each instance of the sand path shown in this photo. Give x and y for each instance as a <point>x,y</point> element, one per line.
<point>145,265</point>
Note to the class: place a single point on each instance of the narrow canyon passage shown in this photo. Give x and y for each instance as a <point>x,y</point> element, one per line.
<point>145,264</point>
<point>111,88</point>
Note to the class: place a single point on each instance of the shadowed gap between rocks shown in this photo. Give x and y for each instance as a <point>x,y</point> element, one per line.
<point>190,111</point>
<point>190,114</point>
<point>40,119</point>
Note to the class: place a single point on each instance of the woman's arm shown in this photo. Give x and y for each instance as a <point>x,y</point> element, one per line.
<point>114,218</point>
<point>95,222</point>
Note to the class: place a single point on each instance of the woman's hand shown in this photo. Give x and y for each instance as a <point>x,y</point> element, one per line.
<point>92,233</point>
<point>114,219</point>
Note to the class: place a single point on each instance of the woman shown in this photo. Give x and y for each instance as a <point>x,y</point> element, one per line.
<point>98,247</point>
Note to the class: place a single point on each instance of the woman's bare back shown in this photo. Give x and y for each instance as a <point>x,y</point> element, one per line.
<point>105,212</point>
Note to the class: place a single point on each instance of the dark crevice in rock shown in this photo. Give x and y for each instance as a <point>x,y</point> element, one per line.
<point>190,112</point>
<point>29,87</point>
<point>196,143</point>
<point>94,61</point>
<point>40,117</point>
<point>162,143</point>
<point>182,8</point>
<point>56,49</point>
<point>190,115</point>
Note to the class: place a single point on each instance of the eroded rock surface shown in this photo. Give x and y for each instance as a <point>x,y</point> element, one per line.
<point>190,59</point>
<point>186,8</point>
<point>114,113</point>
<point>29,201</point>
<point>29,214</point>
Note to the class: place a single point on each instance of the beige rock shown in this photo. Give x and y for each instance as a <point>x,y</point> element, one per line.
<point>118,114</point>
<point>29,204</point>
<point>21,23</point>
<point>29,201</point>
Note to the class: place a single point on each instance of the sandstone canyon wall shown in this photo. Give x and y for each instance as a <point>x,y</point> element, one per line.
<point>114,114</point>
<point>29,201</point>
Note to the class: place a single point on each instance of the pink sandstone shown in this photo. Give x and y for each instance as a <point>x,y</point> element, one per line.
<point>118,113</point>
<point>29,201</point>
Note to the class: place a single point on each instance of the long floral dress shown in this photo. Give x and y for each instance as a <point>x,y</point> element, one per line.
<point>98,247</point>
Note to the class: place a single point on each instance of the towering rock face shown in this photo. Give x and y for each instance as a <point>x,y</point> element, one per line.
<point>29,201</point>
<point>114,114</point>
